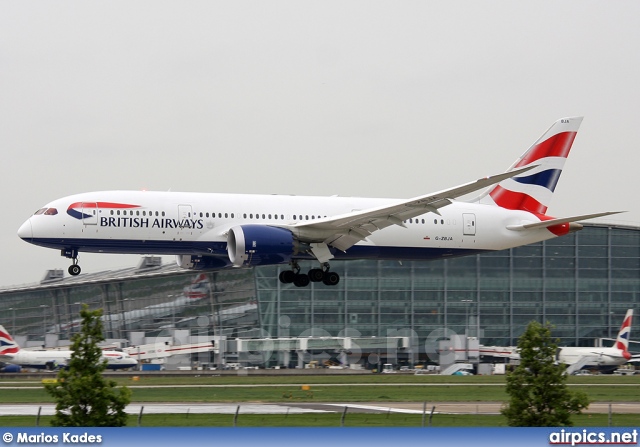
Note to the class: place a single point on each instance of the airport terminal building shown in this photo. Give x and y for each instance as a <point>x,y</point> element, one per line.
<point>582,283</point>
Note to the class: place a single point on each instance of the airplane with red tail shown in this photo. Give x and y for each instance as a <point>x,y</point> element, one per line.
<point>213,231</point>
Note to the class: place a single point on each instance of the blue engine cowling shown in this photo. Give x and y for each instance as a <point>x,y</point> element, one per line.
<point>11,368</point>
<point>260,245</point>
<point>197,262</point>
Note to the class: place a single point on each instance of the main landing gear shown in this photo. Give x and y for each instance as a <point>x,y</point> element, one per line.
<point>72,253</point>
<point>298,279</point>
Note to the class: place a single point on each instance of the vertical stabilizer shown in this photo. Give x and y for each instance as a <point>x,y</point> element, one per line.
<point>7,344</point>
<point>532,191</point>
<point>622,342</point>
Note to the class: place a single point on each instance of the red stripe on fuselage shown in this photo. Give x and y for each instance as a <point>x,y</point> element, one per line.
<point>102,205</point>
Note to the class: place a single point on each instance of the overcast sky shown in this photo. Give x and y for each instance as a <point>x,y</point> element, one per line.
<point>356,98</point>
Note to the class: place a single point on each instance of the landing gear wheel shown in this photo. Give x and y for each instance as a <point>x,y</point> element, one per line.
<point>330,278</point>
<point>301,280</point>
<point>316,275</point>
<point>287,276</point>
<point>74,270</point>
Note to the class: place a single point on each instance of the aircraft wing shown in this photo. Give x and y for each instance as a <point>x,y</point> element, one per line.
<point>346,230</point>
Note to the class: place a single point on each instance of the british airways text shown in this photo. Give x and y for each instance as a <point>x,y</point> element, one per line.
<point>141,222</point>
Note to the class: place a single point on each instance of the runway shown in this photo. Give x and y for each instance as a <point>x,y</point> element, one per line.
<point>181,408</point>
<point>299,408</point>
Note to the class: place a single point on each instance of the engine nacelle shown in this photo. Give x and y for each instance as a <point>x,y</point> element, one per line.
<point>196,262</point>
<point>260,245</point>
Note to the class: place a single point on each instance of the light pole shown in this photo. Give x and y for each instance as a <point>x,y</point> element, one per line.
<point>610,315</point>
<point>466,316</point>
<point>13,320</point>
<point>44,308</point>
<point>173,312</point>
<point>466,328</point>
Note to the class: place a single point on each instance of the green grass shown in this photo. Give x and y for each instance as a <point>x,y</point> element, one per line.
<point>374,388</point>
<point>384,392</point>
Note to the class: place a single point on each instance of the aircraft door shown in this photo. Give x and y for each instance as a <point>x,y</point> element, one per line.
<point>184,212</point>
<point>469,222</point>
<point>185,216</point>
<point>89,212</point>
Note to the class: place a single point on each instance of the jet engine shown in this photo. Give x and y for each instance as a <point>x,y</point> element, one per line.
<point>249,245</point>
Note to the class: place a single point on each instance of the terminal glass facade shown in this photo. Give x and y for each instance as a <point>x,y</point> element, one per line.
<point>581,283</point>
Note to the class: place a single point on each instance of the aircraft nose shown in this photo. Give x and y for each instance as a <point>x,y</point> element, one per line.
<point>25,232</point>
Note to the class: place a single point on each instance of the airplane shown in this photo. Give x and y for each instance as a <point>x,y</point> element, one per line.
<point>577,358</point>
<point>51,359</point>
<point>605,359</point>
<point>213,231</point>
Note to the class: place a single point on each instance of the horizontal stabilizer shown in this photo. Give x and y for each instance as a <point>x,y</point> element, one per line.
<point>553,222</point>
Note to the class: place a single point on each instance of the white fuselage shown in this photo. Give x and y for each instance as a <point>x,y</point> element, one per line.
<point>52,358</point>
<point>596,357</point>
<point>198,224</point>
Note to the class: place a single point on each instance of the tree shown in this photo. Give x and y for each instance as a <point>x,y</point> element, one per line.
<point>539,393</point>
<point>84,398</point>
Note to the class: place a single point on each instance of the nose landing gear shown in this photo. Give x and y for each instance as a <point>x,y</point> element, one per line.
<point>74,269</point>
<point>72,253</point>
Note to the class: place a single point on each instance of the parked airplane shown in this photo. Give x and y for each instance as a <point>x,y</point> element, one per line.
<point>210,231</point>
<point>605,359</point>
<point>11,353</point>
<point>576,358</point>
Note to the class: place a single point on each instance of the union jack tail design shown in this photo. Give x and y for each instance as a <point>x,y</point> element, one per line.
<point>532,191</point>
<point>622,342</point>
<point>7,344</point>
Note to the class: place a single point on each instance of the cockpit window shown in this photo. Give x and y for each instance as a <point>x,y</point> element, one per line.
<point>51,212</point>
<point>40,211</point>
